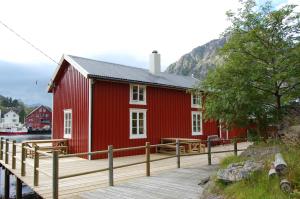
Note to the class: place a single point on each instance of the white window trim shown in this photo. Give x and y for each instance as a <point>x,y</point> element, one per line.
<point>138,136</point>
<point>196,105</point>
<point>131,101</point>
<point>201,126</point>
<point>69,136</point>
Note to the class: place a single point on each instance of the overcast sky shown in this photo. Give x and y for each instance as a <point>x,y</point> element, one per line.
<point>120,31</point>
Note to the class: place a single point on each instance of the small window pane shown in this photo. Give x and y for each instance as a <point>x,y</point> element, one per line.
<point>135,92</point>
<point>194,129</point>
<point>134,116</point>
<point>141,130</point>
<point>134,123</point>
<point>134,131</point>
<point>135,96</point>
<point>141,94</point>
<point>141,116</point>
<point>141,123</point>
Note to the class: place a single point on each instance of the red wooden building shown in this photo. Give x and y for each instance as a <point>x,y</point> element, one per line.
<point>96,104</point>
<point>40,119</point>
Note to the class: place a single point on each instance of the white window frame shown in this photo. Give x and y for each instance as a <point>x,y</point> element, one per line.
<point>138,136</point>
<point>196,105</point>
<point>201,126</point>
<point>68,135</point>
<point>131,101</point>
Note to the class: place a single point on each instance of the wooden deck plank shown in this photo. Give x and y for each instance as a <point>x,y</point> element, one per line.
<point>74,187</point>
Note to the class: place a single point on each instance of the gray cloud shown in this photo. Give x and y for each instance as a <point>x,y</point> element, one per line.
<point>27,83</point>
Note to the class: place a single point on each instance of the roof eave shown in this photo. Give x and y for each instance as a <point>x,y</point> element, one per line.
<point>70,61</point>
<point>97,77</point>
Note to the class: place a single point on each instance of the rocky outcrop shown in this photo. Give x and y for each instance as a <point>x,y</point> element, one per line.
<point>199,61</point>
<point>238,171</point>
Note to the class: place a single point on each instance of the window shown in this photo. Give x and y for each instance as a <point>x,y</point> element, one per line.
<point>138,94</point>
<point>138,122</point>
<point>14,120</point>
<point>196,123</point>
<point>196,101</point>
<point>67,123</point>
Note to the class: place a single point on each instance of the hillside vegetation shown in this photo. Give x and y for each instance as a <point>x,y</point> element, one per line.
<point>8,103</point>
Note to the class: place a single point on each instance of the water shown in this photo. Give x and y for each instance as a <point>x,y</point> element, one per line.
<point>27,192</point>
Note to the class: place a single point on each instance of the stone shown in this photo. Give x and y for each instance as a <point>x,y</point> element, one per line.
<point>238,171</point>
<point>204,181</point>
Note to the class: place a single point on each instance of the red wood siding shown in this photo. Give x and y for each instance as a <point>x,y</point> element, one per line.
<point>40,119</point>
<point>71,92</point>
<point>169,114</point>
<point>237,133</point>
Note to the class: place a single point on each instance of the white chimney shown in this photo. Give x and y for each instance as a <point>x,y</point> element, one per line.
<point>154,62</point>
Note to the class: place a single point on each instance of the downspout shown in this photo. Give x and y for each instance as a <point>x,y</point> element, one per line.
<point>91,86</point>
<point>52,115</point>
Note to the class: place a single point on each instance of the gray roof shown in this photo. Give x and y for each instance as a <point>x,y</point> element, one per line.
<point>105,70</point>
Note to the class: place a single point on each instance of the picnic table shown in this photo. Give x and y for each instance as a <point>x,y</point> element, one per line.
<point>190,145</point>
<point>48,146</point>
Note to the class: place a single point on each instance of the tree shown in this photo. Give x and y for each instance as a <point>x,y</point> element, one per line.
<point>261,68</point>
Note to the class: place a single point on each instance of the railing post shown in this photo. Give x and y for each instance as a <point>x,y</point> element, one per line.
<point>178,152</point>
<point>36,166</point>
<point>18,188</point>
<point>110,165</point>
<point>6,183</point>
<point>209,151</point>
<point>147,158</point>
<point>1,148</point>
<point>13,159</point>
<point>23,159</point>
<point>235,147</point>
<point>55,170</point>
<point>6,151</point>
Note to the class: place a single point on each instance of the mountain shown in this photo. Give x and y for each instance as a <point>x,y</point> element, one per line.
<point>199,60</point>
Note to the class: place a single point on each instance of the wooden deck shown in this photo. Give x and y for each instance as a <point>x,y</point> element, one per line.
<point>171,184</point>
<point>79,186</point>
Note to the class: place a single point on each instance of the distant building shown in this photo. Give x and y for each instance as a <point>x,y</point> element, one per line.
<point>10,119</point>
<point>39,119</point>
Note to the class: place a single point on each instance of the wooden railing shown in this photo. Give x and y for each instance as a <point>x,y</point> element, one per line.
<point>55,156</point>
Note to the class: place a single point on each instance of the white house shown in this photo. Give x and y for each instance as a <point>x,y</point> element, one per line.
<point>10,119</point>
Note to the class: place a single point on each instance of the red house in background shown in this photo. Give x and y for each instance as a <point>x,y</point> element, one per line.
<point>40,119</point>
<point>96,104</point>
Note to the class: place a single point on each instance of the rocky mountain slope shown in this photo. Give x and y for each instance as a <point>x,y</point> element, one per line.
<point>199,61</point>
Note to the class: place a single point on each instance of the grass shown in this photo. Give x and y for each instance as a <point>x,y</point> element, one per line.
<point>231,159</point>
<point>259,185</point>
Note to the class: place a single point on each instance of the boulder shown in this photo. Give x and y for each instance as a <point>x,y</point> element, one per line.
<point>238,171</point>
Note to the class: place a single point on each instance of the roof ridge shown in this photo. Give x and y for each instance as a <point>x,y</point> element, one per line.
<point>122,65</point>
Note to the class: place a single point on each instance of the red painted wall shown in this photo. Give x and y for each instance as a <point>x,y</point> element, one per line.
<point>40,119</point>
<point>71,92</point>
<point>168,115</point>
<point>237,133</point>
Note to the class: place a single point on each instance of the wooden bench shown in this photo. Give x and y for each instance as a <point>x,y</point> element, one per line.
<point>47,146</point>
<point>196,147</point>
<point>170,149</point>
